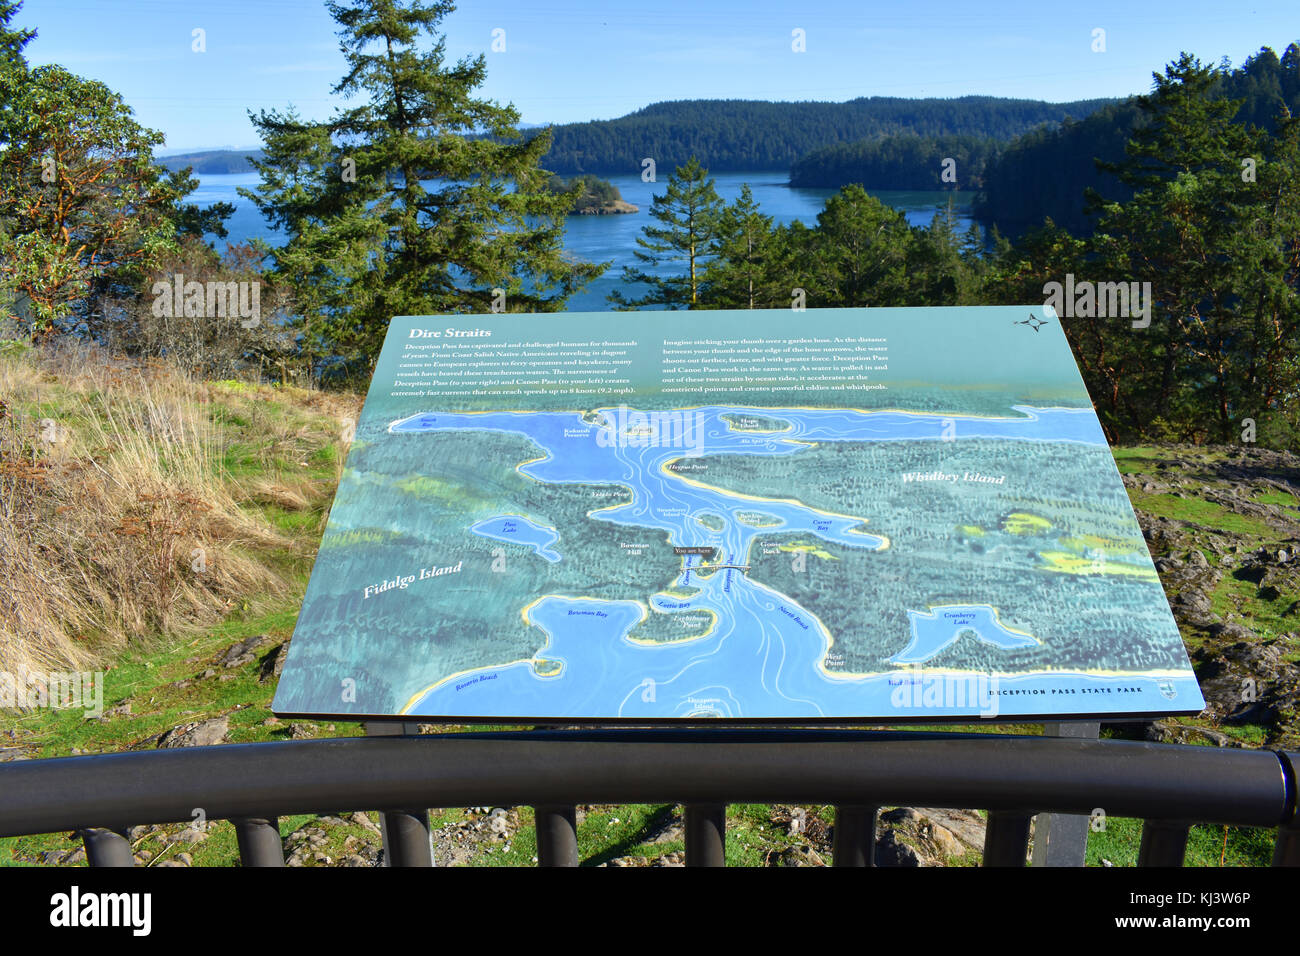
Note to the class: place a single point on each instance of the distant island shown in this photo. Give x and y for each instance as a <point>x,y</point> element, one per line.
<point>749,135</point>
<point>213,162</point>
<point>598,197</point>
<point>759,135</point>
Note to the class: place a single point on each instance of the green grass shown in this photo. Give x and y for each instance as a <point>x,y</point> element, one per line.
<point>1145,452</point>
<point>607,833</point>
<point>292,522</point>
<point>1200,512</point>
<point>1136,459</point>
<point>1241,599</point>
<point>1120,841</point>
<point>325,455</point>
<point>147,677</point>
<point>150,676</point>
<point>226,415</point>
<point>244,460</point>
<point>1279,498</point>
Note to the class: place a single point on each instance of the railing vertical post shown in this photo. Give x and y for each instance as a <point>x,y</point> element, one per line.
<point>1286,850</point>
<point>107,847</point>
<point>259,841</point>
<point>1061,839</point>
<point>557,835</point>
<point>407,841</point>
<point>706,834</point>
<point>1164,843</point>
<point>855,836</point>
<point>1006,838</point>
<point>406,838</point>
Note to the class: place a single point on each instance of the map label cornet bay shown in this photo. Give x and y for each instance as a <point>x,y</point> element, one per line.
<point>851,514</point>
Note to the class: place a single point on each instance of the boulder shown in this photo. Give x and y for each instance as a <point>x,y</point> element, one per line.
<point>273,663</point>
<point>890,851</point>
<point>242,653</point>
<point>203,733</point>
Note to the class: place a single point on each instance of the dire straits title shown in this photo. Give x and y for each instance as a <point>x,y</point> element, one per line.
<point>450,333</point>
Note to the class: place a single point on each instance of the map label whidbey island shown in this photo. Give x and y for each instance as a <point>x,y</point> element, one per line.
<point>964,476</point>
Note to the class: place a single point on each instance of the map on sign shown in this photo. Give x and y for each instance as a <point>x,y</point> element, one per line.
<point>849,514</point>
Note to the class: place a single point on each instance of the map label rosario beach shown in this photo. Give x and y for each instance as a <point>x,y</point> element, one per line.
<point>849,514</point>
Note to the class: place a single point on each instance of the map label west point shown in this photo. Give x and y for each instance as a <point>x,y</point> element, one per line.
<point>844,523</point>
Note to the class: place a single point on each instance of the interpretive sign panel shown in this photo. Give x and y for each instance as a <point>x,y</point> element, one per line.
<point>848,514</point>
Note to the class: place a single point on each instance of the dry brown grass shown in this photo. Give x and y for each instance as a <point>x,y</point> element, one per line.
<point>116,522</point>
<point>291,494</point>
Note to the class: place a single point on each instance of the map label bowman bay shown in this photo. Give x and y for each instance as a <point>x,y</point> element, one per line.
<point>849,514</point>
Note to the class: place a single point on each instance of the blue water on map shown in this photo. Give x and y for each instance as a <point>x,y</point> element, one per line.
<point>516,529</point>
<point>764,654</point>
<point>934,630</point>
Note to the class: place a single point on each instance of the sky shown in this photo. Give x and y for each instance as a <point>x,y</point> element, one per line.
<point>562,61</point>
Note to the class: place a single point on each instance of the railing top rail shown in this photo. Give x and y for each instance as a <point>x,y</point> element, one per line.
<point>992,772</point>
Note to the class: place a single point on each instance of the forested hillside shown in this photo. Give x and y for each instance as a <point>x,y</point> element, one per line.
<point>898,162</point>
<point>756,135</point>
<point>1044,174</point>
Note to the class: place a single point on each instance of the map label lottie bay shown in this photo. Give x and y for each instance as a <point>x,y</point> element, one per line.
<point>403,581</point>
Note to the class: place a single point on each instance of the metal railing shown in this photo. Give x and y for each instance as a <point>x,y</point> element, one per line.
<point>1013,778</point>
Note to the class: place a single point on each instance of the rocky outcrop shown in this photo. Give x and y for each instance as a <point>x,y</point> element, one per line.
<point>243,652</point>
<point>201,733</point>
<point>614,208</point>
<point>1230,566</point>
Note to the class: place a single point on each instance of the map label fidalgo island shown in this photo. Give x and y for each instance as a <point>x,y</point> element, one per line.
<point>879,515</point>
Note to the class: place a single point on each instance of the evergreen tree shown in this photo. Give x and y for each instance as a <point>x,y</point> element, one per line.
<point>791,249</point>
<point>12,40</point>
<point>740,276</point>
<point>942,263</point>
<point>368,236</point>
<point>689,211</point>
<point>747,135</point>
<point>331,242</point>
<point>1187,230</point>
<point>1262,377</point>
<point>860,251</point>
<point>1290,67</point>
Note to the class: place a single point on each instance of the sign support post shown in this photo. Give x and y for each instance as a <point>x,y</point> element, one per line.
<point>1061,839</point>
<point>407,840</point>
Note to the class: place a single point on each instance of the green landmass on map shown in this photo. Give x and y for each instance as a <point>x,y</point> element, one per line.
<point>948,548</point>
<point>476,479</point>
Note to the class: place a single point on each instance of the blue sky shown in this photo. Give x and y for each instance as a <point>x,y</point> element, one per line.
<point>574,60</point>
